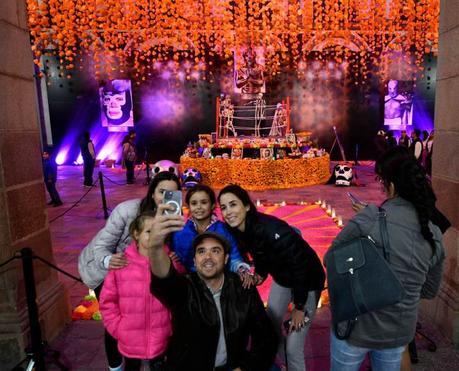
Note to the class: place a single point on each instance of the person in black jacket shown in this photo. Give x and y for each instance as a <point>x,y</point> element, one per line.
<point>213,315</point>
<point>50,177</point>
<point>279,250</point>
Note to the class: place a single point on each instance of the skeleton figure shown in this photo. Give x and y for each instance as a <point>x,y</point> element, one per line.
<point>343,175</point>
<point>226,115</point>
<point>279,120</point>
<point>260,105</point>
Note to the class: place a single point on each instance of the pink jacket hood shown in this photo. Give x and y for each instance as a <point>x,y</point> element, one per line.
<point>131,314</point>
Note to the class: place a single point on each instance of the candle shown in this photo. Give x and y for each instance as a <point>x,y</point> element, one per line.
<point>283,203</point>
<point>324,205</point>
<point>333,213</point>
<point>258,203</point>
<point>329,209</point>
<point>340,222</point>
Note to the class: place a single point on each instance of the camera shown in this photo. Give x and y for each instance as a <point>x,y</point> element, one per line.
<point>173,198</point>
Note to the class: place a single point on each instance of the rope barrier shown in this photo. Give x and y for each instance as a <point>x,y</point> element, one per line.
<point>57,268</point>
<point>112,181</point>
<point>74,205</point>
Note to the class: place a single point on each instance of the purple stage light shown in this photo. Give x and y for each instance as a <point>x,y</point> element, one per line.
<point>62,155</point>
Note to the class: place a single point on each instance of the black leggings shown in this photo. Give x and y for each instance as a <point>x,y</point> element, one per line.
<point>114,357</point>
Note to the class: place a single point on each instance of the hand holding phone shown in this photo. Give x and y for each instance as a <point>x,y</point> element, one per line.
<point>355,200</point>
<point>174,199</point>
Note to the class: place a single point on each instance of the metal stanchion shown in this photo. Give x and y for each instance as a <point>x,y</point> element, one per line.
<point>31,295</point>
<point>102,192</point>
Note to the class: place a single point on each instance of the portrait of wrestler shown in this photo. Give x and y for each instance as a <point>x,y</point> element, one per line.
<point>249,77</point>
<point>397,106</point>
<point>116,103</point>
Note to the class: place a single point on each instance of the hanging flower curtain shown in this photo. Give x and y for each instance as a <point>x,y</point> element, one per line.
<point>129,36</point>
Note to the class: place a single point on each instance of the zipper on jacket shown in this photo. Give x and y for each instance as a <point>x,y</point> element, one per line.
<point>147,322</point>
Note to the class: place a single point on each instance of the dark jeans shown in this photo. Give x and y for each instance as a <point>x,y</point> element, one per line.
<point>51,187</point>
<point>88,170</point>
<point>129,171</point>
<point>114,357</point>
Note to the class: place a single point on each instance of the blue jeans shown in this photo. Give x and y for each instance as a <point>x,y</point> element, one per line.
<point>346,357</point>
<point>279,299</point>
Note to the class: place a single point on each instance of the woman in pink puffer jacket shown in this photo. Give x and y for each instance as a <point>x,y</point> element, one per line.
<point>131,314</point>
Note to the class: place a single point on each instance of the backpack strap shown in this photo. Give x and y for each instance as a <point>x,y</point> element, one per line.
<point>384,233</point>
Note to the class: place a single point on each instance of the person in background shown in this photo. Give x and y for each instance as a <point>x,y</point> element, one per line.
<point>404,140</point>
<point>416,145</point>
<point>279,250</point>
<point>129,156</point>
<point>201,202</point>
<point>89,158</point>
<point>131,314</point>
<point>414,236</point>
<point>50,177</point>
<point>105,252</point>
<point>380,143</point>
<point>391,141</point>
<point>429,151</point>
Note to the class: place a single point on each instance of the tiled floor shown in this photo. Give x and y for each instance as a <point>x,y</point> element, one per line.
<point>81,342</point>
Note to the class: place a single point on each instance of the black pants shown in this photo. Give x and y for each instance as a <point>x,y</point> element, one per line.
<point>51,187</point>
<point>134,364</point>
<point>88,170</point>
<point>129,171</point>
<point>114,357</point>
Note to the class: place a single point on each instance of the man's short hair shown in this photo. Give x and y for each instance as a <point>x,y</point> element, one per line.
<point>203,236</point>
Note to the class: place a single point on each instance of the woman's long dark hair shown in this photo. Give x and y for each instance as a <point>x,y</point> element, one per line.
<point>399,166</point>
<point>148,203</point>
<point>242,194</point>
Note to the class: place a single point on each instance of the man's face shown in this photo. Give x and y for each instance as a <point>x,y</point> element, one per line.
<point>114,103</point>
<point>210,259</point>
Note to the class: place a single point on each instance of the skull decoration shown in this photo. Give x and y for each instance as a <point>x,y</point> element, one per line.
<point>343,175</point>
<point>165,165</point>
<point>191,177</point>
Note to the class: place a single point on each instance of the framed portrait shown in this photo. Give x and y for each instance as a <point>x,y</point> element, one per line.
<point>291,138</point>
<point>398,104</point>
<point>266,153</point>
<point>205,153</point>
<point>236,153</point>
<point>116,109</point>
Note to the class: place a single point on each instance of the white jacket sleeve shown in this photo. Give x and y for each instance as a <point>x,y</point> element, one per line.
<point>106,242</point>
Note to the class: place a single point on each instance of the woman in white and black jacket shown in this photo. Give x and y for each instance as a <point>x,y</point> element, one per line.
<point>279,250</point>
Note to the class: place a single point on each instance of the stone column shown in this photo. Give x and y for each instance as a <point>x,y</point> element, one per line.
<point>23,218</point>
<point>444,310</point>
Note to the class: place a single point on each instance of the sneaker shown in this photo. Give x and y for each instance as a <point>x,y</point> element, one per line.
<point>60,203</point>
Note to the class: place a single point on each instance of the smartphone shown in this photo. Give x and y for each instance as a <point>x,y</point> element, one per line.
<point>355,200</point>
<point>288,322</point>
<point>173,198</point>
